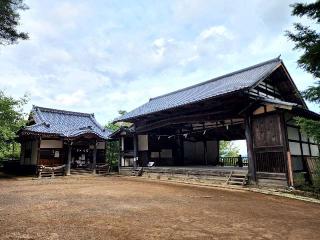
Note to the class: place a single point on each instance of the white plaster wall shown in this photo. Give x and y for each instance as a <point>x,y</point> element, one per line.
<point>294,148</point>
<point>305,148</point>
<point>51,144</point>
<point>34,153</point>
<point>314,150</point>
<point>293,133</point>
<point>142,142</point>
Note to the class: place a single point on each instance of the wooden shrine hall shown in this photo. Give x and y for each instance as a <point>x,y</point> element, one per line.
<point>54,138</point>
<point>178,133</point>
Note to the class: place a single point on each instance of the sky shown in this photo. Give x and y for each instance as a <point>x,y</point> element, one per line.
<point>102,56</point>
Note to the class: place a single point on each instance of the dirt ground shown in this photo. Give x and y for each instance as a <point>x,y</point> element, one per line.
<point>131,208</point>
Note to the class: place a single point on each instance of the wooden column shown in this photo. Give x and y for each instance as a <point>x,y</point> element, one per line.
<point>38,155</point>
<point>121,149</point>
<point>251,161</point>
<point>218,153</point>
<point>290,173</point>
<point>135,150</point>
<point>181,149</point>
<point>68,166</point>
<point>205,152</point>
<point>94,160</point>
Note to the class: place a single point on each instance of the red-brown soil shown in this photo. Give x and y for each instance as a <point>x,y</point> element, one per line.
<point>130,208</point>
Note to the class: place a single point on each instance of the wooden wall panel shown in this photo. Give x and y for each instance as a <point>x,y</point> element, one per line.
<point>267,131</point>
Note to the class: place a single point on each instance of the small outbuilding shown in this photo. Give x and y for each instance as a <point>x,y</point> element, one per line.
<point>55,137</point>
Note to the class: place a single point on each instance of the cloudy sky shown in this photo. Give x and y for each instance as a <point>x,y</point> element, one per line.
<point>102,56</point>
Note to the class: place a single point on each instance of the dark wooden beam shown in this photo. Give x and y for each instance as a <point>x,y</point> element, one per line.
<point>251,160</point>
<point>184,119</point>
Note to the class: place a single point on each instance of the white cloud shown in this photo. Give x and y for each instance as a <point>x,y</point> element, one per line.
<point>71,99</point>
<point>115,56</point>
<point>216,32</point>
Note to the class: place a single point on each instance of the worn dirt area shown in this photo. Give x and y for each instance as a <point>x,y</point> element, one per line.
<point>130,208</point>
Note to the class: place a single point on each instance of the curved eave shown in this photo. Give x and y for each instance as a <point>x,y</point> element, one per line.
<point>132,119</point>
<point>306,113</point>
<point>84,133</point>
<point>71,136</point>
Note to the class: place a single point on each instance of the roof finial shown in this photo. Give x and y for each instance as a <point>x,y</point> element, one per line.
<point>279,56</point>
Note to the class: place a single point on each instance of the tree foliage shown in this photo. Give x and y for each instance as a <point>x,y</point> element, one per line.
<point>9,21</point>
<point>11,120</point>
<point>113,146</point>
<point>308,40</point>
<point>228,149</point>
<point>313,93</point>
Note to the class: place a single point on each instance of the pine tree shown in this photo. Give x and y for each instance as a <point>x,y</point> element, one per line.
<point>9,20</point>
<point>308,40</point>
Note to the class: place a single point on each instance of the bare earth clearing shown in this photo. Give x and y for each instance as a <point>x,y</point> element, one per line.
<point>128,208</point>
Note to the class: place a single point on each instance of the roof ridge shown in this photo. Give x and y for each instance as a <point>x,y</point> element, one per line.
<point>96,123</point>
<point>45,109</point>
<point>219,77</point>
<point>41,118</point>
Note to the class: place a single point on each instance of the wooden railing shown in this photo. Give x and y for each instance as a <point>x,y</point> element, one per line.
<point>50,162</point>
<point>44,171</point>
<point>233,161</point>
<point>313,166</point>
<point>270,162</point>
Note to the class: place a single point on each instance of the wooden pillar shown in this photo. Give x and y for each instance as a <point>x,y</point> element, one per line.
<point>181,150</point>
<point>290,173</point>
<point>218,153</point>
<point>94,161</point>
<point>38,154</point>
<point>251,161</point>
<point>135,150</point>
<point>68,166</point>
<point>205,152</point>
<point>121,149</point>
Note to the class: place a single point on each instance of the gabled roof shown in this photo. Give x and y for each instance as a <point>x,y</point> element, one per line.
<point>229,83</point>
<point>64,123</point>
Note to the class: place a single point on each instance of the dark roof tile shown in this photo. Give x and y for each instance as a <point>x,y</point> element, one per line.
<point>232,82</point>
<point>65,123</point>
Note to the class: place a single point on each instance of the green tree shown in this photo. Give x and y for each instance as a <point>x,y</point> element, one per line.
<point>113,146</point>
<point>11,120</point>
<point>9,21</point>
<point>308,41</point>
<point>228,149</point>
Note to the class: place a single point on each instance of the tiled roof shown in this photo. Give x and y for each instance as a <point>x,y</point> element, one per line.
<point>64,123</point>
<point>232,82</point>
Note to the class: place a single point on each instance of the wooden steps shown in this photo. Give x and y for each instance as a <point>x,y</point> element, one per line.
<point>137,172</point>
<point>81,171</point>
<point>272,179</point>
<point>103,169</point>
<point>237,178</point>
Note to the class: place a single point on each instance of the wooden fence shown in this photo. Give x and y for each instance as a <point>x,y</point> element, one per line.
<point>270,162</point>
<point>233,161</point>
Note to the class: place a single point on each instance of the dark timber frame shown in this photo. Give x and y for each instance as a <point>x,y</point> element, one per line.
<point>55,137</point>
<point>165,129</point>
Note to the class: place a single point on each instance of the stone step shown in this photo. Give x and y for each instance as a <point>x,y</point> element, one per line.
<point>81,172</point>
<point>234,182</point>
<point>239,175</point>
<point>237,178</point>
